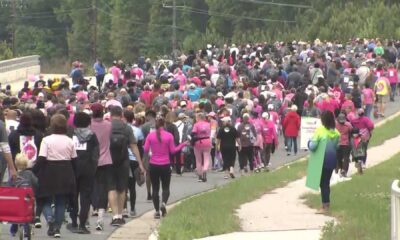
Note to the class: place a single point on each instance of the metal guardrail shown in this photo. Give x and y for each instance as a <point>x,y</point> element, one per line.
<point>18,63</point>
<point>395,211</point>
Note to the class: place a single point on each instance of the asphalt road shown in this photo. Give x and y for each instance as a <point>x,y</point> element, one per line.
<point>181,187</point>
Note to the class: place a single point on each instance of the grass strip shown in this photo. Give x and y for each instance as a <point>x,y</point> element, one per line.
<point>388,130</point>
<point>361,205</point>
<point>212,213</point>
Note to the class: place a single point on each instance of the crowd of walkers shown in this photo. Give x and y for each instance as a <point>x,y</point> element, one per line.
<point>90,142</point>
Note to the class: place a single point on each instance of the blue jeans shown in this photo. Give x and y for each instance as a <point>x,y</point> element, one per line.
<point>291,141</point>
<point>56,216</point>
<point>368,110</point>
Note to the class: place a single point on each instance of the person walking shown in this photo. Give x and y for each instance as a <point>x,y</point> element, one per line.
<point>121,139</point>
<point>54,169</point>
<point>201,133</point>
<point>323,146</point>
<point>87,148</point>
<point>248,137</point>
<point>161,144</point>
<point>291,126</point>
<point>227,137</point>
<point>343,153</point>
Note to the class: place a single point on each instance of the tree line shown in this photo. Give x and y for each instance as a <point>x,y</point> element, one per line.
<point>126,29</point>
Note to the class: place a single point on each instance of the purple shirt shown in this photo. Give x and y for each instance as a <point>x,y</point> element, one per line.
<point>102,129</point>
<point>160,151</point>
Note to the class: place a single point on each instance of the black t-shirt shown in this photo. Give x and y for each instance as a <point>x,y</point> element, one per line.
<point>227,135</point>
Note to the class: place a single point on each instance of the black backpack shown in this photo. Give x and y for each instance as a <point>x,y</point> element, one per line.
<point>118,146</point>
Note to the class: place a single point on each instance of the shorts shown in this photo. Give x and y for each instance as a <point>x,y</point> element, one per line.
<point>113,177</point>
<point>381,98</point>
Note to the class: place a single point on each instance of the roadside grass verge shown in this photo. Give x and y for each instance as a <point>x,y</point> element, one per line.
<point>212,213</point>
<point>388,130</point>
<point>361,205</point>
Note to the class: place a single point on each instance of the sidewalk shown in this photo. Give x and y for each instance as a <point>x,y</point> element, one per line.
<point>281,213</point>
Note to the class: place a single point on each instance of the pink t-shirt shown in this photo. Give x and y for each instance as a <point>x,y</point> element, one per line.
<point>368,96</point>
<point>392,75</point>
<point>57,147</point>
<point>115,72</point>
<point>203,132</point>
<point>102,129</point>
<point>160,151</point>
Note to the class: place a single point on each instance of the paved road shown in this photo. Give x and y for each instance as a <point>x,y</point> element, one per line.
<point>181,187</point>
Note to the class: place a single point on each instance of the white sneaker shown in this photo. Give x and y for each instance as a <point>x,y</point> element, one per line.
<point>99,225</point>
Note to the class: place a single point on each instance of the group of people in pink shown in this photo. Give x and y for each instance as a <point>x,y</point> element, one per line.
<point>200,112</point>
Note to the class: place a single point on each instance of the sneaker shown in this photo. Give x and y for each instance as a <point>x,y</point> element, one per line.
<point>132,214</point>
<point>163,209</point>
<point>125,213</point>
<point>231,175</point>
<point>83,230</point>
<point>200,179</point>
<point>157,215</point>
<point>115,222</point>
<point>287,154</point>
<point>51,230</point>
<point>57,233</point>
<point>121,221</point>
<point>109,210</point>
<point>226,177</point>
<point>149,198</point>
<point>204,179</point>
<point>37,223</point>
<point>99,226</point>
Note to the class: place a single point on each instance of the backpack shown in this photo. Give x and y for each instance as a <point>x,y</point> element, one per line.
<point>118,146</point>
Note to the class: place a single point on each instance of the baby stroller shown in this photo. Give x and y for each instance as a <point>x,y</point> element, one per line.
<point>17,206</point>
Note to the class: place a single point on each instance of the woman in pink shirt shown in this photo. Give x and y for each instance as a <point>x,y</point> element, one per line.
<point>368,98</point>
<point>160,145</point>
<point>393,79</point>
<point>202,147</point>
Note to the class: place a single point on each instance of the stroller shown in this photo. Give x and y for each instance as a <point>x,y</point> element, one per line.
<point>17,206</point>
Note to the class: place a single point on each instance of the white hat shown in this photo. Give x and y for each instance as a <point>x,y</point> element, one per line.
<point>225,119</point>
<point>209,46</point>
<point>271,106</point>
<point>293,108</point>
<point>265,115</point>
<point>192,85</point>
<point>219,94</point>
<point>182,103</point>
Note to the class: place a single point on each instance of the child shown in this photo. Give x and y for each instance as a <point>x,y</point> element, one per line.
<point>358,149</point>
<point>25,178</point>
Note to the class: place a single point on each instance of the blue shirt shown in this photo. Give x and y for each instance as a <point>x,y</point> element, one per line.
<point>99,69</point>
<point>139,137</point>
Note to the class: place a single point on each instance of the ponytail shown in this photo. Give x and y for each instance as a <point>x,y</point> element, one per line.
<point>159,124</point>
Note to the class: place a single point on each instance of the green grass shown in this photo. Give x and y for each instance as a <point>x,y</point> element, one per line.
<point>386,131</point>
<point>212,213</point>
<point>361,205</point>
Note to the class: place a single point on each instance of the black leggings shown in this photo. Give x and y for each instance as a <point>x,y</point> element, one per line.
<point>343,158</point>
<point>246,156</point>
<point>99,81</point>
<point>325,184</point>
<point>228,156</point>
<point>132,184</point>
<point>84,185</point>
<point>160,173</point>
